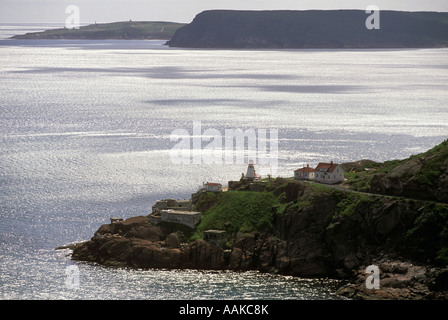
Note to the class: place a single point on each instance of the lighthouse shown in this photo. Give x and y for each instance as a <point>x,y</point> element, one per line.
<point>250,174</point>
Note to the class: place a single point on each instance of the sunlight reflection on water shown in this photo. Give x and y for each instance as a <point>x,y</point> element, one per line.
<point>85,135</point>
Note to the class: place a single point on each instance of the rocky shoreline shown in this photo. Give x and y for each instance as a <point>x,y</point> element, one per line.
<point>137,243</point>
<point>399,280</point>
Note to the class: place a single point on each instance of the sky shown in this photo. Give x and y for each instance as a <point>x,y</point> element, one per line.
<point>182,10</point>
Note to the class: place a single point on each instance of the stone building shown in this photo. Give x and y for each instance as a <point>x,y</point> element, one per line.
<point>177,211</point>
<point>218,237</point>
<point>166,204</point>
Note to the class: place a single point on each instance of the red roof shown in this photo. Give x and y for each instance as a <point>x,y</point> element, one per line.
<point>212,184</point>
<point>305,169</point>
<point>326,167</point>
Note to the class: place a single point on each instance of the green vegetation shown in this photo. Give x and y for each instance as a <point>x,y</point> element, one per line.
<point>433,161</point>
<point>117,30</point>
<point>360,178</point>
<point>319,187</point>
<point>428,239</point>
<point>422,169</point>
<point>352,203</point>
<point>234,211</point>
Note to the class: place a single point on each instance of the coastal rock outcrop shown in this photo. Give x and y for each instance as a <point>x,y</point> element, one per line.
<point>398,280</point>
<point>135,242</point>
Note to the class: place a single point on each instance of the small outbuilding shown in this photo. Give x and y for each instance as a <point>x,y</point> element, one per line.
<point>212,187</point>
<point>218,237</point>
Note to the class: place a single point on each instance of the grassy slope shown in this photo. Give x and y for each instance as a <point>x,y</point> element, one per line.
<point>432,162</point>
<point>115,30</point>
<point>245,211</point>
<point>248,211</point>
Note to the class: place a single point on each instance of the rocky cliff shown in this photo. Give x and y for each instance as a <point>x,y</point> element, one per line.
<point>318,233</point>
<point>312,29</point>
<point>137,243</point>
<point>314,231</point>
<point>335,234</point>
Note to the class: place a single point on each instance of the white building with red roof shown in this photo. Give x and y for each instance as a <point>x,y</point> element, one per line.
<point>305,173</point>
<point>329,173</point>
<point>212,187</point>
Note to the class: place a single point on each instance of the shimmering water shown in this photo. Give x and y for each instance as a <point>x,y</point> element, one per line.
<point>85,135</point>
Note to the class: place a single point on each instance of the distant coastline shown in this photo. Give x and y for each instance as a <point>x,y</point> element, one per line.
<point>128,30</point>
<point>278,29</point>
<point>313,29</point>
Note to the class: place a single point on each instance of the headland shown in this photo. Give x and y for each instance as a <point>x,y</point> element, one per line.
<point>393,215</point>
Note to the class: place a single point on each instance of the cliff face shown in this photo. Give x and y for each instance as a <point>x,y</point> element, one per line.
<point>137,243</point>
<point>312,29</point>
<point>330,233</point>
<point>338,235</point>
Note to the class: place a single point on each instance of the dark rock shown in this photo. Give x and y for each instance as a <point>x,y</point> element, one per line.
<point>172,241</point>
<point>136,242</point>
<point>441,280</point>
<point>203,255</point>
<point>243,250</point>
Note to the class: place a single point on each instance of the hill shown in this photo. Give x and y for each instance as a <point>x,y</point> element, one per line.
<point>423,176</point>
<point>130,30</point>
<point>312,29</point>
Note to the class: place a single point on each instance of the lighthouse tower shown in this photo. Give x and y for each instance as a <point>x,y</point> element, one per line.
<point>251,175</point>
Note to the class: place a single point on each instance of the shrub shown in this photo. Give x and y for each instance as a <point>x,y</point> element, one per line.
<point>240,211</point>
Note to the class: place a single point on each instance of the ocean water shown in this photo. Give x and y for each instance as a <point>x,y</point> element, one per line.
<point>85,131</point>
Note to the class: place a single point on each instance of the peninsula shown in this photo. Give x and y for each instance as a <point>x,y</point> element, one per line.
<point>312,29</point>
<point>393,215</point>
<point>129,30</point>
